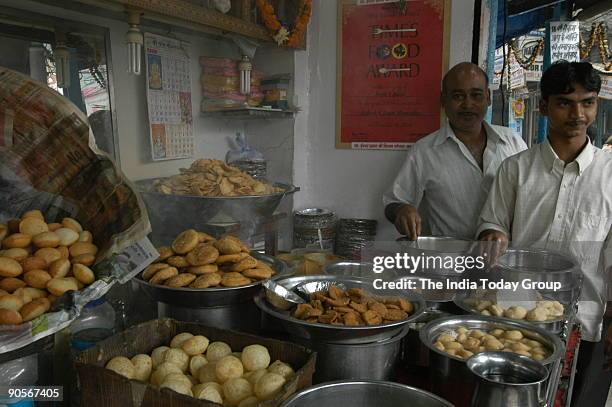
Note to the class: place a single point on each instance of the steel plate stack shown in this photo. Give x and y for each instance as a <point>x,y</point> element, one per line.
<point>314,227</point>
<point>353,235</point>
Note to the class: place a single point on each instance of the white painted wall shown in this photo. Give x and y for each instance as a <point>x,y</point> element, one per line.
<point>130,97</point>
<point>350,182</point>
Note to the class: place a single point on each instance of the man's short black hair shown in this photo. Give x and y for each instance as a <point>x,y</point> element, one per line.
<point>559,77</point>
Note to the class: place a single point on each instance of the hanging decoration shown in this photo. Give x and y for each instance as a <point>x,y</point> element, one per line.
<point>599,33</point>
<point>526,63</point>
<point>281,33</point>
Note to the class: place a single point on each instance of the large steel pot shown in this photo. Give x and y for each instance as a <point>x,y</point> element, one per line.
<point>449,375</point>
<point>364,394</point>
<point>364,361</point>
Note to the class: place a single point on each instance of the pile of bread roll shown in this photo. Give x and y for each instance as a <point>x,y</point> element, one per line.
<point>198,260</point>
<point>193,366</point>
<point>39,262</point>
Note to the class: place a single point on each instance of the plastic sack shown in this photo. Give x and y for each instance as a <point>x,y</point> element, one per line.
<point>241,151</point>
<point>49,161</point>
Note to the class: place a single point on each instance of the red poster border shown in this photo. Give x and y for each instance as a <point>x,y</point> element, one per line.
<point>339,61</point>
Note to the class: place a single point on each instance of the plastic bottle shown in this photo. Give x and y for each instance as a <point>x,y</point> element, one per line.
<point>96,322</point>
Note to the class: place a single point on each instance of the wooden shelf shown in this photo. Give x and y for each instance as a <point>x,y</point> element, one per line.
<point>251,113</point>
<point>177,13</point>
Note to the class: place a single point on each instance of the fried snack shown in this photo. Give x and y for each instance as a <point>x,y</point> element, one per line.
<point>353,307</point>
<point>205,269</point>
<point>207,281</point>
<point>9,267</point>
<point>33,263</point>
<point>163,275</point>
<point>37,278</point>
<point>152,269</point>
<point>67,236</point>
<point>86,259</point>
<point>202,254</point>
<point>164,253</point>
<point>83,273</point>
<point>34,309</point>
<point>185,242</point>
<point>177,261</point>
<point>244,264</point>
<point>231,258</point>
<point>228,245</point>
<point>11,284</point>
<point>182,280</point>
<point>32,226</point>
<point>258,273</point>
<point>234,280</point>
<point>207,177</point>
<point>10,317</point>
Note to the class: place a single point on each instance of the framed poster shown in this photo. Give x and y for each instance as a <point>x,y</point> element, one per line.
<point>391,59</point>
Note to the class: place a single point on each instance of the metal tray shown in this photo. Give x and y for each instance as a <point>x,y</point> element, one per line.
<point>167,210</point>
<point>211,297</point>
<point>340,334</point>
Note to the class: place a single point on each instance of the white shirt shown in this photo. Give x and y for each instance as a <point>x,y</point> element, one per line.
<point>538,201</point>
<point>441,177</point>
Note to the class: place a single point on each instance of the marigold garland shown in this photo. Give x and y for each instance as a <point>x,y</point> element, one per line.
<point>281,34</point>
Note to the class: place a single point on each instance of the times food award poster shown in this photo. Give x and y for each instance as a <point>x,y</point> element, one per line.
<point>391,59</point>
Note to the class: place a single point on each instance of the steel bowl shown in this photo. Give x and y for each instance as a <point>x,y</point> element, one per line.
<point>211,297</point>
<point>449,375</point>
<point>317,332</point>
<point>539,265</point>
<point>167,212</point>
<point>553,325</point>
<point>364,394</point>
<point>430,332</point>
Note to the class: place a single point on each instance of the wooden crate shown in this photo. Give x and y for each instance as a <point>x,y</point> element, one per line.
<point>101,387</point>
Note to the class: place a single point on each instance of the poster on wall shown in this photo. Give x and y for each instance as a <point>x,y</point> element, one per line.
<point>168,98</point>
<point>391,59</point>
<point>564,41</point>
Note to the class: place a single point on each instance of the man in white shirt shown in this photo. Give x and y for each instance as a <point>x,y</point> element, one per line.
<point>558,195</point>
<point>447,174</point>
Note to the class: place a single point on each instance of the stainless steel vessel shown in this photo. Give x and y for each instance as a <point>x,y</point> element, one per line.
<point>364,394</point>
<point>211,297</point>
<point>506,379</point>
<point>223,307</point>
<point>365,361</point>
<point>433,247</point>
<point>333,333</point>
<point>449,375</point>
<point>171,214</point>
<point>553,325</point>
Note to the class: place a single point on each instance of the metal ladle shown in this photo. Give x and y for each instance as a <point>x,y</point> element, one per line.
<point>281,297</point>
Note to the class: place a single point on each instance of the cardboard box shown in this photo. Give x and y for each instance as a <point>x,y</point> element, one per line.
<point>102,387</point>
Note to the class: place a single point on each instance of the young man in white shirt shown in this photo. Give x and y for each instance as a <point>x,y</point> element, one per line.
<point>558,195</point>
<point>447,174</point>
